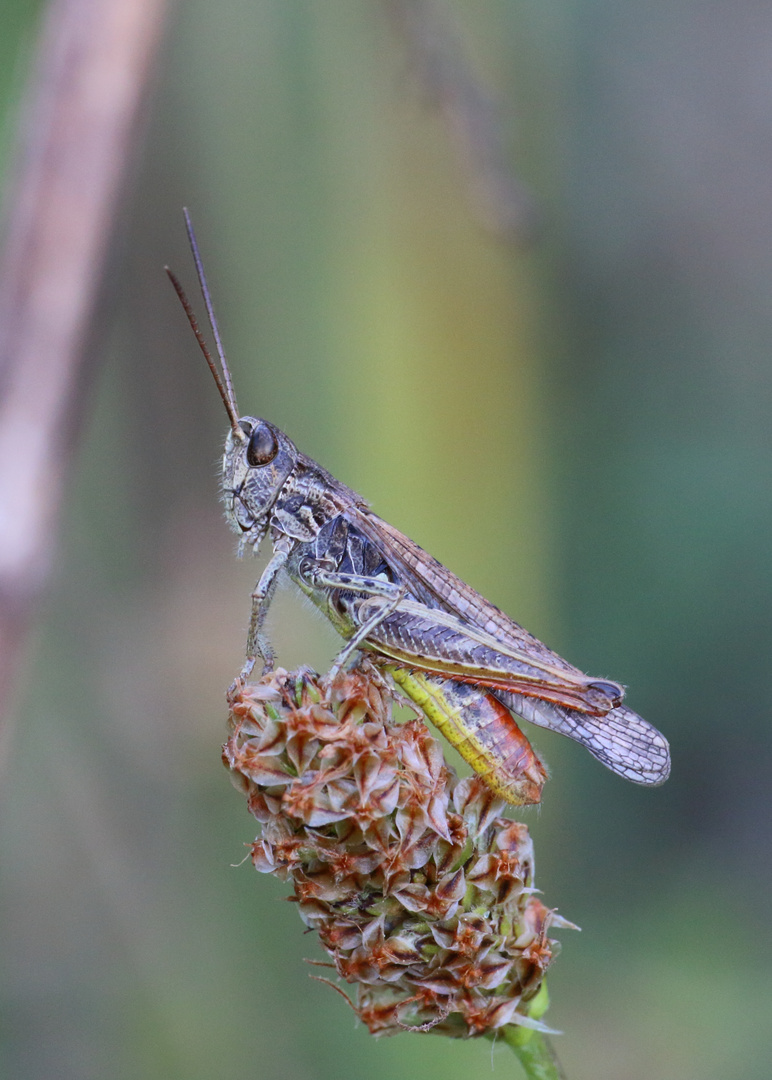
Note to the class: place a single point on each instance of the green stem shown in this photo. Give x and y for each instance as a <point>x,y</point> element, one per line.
<point>533,1048</point>
<point>534,1053</point>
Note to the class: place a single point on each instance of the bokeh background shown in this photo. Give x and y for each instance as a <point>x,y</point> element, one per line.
<point>575,418</point>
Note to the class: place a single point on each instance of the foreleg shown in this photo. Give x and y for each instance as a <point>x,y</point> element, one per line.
<point>257,641</point>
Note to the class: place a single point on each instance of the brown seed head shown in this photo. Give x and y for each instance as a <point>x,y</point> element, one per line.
<point>421,893</point>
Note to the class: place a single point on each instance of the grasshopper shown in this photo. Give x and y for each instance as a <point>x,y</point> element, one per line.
<point>466,664</point>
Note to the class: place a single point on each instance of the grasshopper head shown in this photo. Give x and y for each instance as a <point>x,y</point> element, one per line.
<point>256,465</point>
<point>259,458</point>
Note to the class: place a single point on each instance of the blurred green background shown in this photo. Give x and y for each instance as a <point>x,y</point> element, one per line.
<point>580,427</point>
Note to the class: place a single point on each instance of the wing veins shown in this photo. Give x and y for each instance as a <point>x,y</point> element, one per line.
<point>433,583</point>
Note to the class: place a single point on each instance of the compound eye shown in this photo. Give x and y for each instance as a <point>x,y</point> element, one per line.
<point>263,446</point>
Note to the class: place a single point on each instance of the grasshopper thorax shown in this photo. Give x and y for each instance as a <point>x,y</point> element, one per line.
<point>256,466</point>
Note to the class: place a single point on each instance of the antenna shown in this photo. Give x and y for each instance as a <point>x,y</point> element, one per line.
<point>224,382</point>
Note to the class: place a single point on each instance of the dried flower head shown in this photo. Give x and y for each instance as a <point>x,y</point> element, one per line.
<point>421,893</point>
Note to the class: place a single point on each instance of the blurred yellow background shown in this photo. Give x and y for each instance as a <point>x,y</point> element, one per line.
<point>578,425</point>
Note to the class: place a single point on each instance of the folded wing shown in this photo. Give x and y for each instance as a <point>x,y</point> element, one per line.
<point>621,739</point>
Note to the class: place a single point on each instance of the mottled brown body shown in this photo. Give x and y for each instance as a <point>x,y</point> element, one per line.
<point>390,598</point>
<point>462,660</point>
